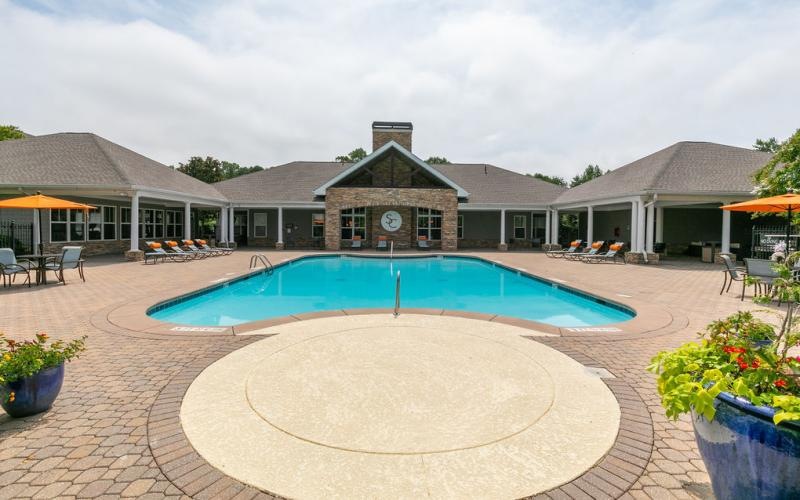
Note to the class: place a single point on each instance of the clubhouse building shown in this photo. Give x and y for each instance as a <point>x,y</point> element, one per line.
<point>667,201</point>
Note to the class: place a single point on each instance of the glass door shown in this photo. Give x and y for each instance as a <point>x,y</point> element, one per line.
<point>240,228</point>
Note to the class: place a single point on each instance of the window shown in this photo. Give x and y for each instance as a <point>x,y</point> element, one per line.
<point>77,225</point>
<point>318,226</point>
<point>151,223</point>
<point>58,225</point>
<point>354,223</point>
<point>539,229</point>
<point>174,224</point>
<point>124,223</point>
<point>260,224</point>
<point>103,223</point>
<point>429,223</point>
<point>460,227</point>
<point>520,224</point>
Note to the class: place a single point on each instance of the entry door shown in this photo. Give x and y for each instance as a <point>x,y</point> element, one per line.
<point>240,228</point>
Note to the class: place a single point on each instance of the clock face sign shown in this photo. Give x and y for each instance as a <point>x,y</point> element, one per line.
<point>391,221</point>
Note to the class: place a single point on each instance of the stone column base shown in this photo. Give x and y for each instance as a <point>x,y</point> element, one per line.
<point>134,255</point>
<point>549,247</point>
<point>502,247</point>
<point>718,257</point>
<point>638,258</point>
<point>280,245</point>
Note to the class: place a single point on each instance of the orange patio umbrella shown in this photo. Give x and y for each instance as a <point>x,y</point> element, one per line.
<point>39,201</point>
<point>783,203</point>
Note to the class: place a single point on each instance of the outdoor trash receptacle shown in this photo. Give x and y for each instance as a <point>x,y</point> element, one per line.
<point>707,254</point>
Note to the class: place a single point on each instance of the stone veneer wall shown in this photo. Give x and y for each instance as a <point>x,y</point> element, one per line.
<point>340,198</point>
<point>94,247</point>
<point>404,237</point>
<point>381,137</point>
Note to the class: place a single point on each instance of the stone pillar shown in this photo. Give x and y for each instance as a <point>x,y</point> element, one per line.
<point>726,232</point>
<point>589,224</point>
<point>651,215</point>
<point>279,242</point>
<point>634,225</point>
<point>333,231</point>
<point>450,227</point>
<point>134,253</point>
<point>660,225</point>
<point>187,221</point>
<point>547,226</point>
<point>503,246</point>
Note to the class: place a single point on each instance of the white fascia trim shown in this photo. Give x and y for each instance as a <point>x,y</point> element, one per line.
<point>500,206</point>
<point>311,206</point>
<point>595,203</point>
<point>165,194</point>
<point>461,192</point>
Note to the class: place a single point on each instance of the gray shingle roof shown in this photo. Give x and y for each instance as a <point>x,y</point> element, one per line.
<point>84,159</point>
<point>490,184</point>
<point>291,182</point>
<point>296,181</point>
<point>684,167</point>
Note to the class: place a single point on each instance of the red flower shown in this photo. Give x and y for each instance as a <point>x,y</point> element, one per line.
<point>742,363</point>
<point>755,364</point>
<point>729,349</point>
<point>781,383</point>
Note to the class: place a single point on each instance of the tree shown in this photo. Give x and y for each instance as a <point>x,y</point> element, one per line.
<point>230,170</point>
<point>8,132</point>
<point>354,156</point>
<point>206,169</point>
<point>589,173</point>
<point>770,145</point>
<point>437,160</point>
<point>552,179</point>
<point>782,171</point>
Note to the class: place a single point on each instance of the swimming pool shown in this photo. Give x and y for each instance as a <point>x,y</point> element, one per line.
<point>322,283</point>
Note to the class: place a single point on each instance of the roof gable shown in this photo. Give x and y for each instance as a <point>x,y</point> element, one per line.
<point>378,153</point>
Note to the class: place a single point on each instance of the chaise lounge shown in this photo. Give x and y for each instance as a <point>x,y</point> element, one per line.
<point>614,252</point>
<point>573,247</point>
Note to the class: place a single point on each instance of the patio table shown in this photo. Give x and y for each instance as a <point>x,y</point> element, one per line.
<point>41,273</point>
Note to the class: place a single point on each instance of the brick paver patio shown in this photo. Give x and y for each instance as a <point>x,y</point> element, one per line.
<point>119,404</point>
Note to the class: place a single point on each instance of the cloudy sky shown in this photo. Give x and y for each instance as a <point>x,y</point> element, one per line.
<point>535,86</point>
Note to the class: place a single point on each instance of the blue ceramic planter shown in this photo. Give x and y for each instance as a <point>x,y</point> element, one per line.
<point>747,456</point>
<point>34,394</point>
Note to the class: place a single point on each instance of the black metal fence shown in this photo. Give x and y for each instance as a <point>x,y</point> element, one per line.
<point>767,238</point>
<point>18,237</point>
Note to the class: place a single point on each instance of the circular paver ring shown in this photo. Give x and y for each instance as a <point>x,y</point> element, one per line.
<point>416,406</point>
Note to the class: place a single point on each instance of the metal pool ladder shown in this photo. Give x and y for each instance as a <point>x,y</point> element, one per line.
<point>260,258</point>
<point>397,296</point>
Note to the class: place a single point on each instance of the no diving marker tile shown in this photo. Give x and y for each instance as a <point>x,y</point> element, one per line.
<point>196,329</point>
<point>599,372</point>
<point>604,329</point>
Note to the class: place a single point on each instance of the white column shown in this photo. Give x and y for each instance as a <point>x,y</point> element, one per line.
<point>280,226</point>
<point>187,221</point>
<point>556,223</point>
<point>222,224</point>
<point>502,226</point>
<point>651,216</point>
<point>634,226</point>
<point>726,231</point>
<point>660,225</point>
<point>135,221</point>
<point>230,225</point>
<point>589,224</point>
<point>640,228</point>
<point>547,226</point>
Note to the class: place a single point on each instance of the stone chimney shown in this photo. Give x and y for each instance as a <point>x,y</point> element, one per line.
<point>399,132</point>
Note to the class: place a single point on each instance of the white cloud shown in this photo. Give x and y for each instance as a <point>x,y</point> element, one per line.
<point>525,86</point>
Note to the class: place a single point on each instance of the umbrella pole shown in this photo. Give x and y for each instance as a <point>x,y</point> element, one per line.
<point>41,241</point>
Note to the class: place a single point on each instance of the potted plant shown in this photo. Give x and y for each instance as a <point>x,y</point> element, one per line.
<point>31,372</point>
<point>740,384</point>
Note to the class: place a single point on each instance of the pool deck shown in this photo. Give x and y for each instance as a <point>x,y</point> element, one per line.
<point>115,429</point>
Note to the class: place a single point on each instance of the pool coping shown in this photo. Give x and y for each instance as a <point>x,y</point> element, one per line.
<point>132,317</point>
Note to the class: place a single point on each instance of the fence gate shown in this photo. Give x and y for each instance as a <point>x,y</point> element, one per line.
<point>18,237</point>
<point>765,239</point>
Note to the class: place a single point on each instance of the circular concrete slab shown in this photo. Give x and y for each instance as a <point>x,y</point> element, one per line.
<point>394,407</point>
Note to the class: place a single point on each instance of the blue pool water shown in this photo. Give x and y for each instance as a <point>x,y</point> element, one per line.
<point>344,282</point>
